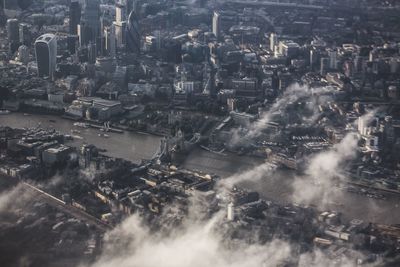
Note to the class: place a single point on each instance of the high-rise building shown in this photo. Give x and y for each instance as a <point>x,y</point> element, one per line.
<point>324,65</point>
<point>74,17</point>
<point>120,14</point>
<point>131,5</point>
<point>216,27</point>
<point>23,54</point>
<point>133,34</point>
<point>9,4</point>
<point>120,33</point>
<point>314,57</point>
<point>332,53</point>
<point>110,43</point>
<point>273,41</point>
<point>24,34</point>
<point>231,212</point>
<point>92,53</point>
<point>13,34</point>
<point>72,43</point>
<point>46,55</point>
<point>89,27</point>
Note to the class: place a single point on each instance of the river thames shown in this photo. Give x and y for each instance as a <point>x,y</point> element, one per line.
<point>277,186</point>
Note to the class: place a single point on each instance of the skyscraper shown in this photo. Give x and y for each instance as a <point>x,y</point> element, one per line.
<point>120,33</point>
<point>10,4</point>
<point>133,34</point>
<point>13,34</point>
<point>131,5</point>
<point>89,27</point>
<point>46,55</point>
<point>332,53</point>
<point>24,34</point>
<point>216,27</point>
<point>109,40</point>
<point>74,17</point>
<point>120,12</point>
<point>273,41</point>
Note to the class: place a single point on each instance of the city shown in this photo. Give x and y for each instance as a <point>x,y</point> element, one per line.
<point>199,133</point>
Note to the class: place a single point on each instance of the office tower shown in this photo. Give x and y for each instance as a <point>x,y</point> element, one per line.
<point>13,34</point>
<point>273,41</point>
<point>89,27</point>
<point>314,57</point>
<point>23,54</point>
<point>92,53</point>
<point>72,41</point>
<point>83,33</point>
<point>120,33</point>
<point>324,65</point>
<point>231,212</point>
<point>133,34</point>
<point>24,34</point>
<point>112,43</point>
<point>12,30</point>
<point>46,55</point>
<point>130,5</point>
<point>109,36</point>
<point>10,4</point>
<point>74,17</point>
<point>120,13</point>
<point>216,24</point>
<point>332,53</point>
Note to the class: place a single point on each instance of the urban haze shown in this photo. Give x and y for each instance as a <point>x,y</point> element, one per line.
<point>199,133</point>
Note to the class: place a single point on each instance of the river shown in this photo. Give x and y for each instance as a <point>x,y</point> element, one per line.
<point>277,186</point>
<point>128,145</point>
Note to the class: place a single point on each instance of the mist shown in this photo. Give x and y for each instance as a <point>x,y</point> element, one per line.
<point>201,243</point>
<point>293,94</point>
<point>323,172</point>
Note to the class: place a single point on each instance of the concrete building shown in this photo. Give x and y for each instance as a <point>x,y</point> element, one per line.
<point>120,33</point>
<point>89,27</point>
<point>13,34</point>
<point>216,27</point>
<point>231,212</point>
<point>46,55</point>
<point>55,155</point>
<point>24,34</point>
<point>133,34</point>
<point>273,41</point>
<point>74,17</point>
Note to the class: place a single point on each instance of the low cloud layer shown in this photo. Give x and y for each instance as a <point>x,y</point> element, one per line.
<point>323,172</point>
<point>256,174</point>
<point>13,198</point>
<point>195,244</point>
<point>200,243</point>
<point>292,94</point>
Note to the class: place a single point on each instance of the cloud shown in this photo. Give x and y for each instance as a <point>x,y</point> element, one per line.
<point>254,175</point>
<point>324,170</point>
<point>202,243</point>
<point>196,244</point>
<point>13,198</point>
<point>293,94</point>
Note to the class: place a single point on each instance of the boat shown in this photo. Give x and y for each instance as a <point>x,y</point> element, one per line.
<point>81,124</point>
<point>103,135</point>
<point>52,121</point>
<point>75,131</point>
<point>4,112</point>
